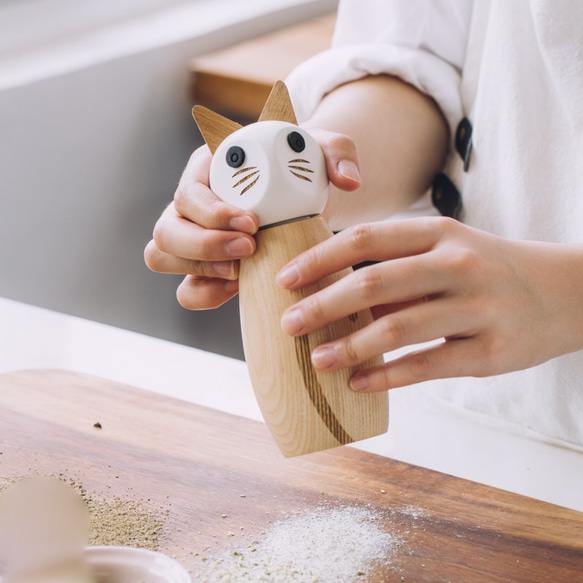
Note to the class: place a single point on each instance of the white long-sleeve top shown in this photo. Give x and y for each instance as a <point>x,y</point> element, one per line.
<point>515,69</point>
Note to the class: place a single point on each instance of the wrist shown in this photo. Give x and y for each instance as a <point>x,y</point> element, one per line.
<point>555,274</point>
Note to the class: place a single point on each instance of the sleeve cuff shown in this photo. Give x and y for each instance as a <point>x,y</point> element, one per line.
<point>313,79</point>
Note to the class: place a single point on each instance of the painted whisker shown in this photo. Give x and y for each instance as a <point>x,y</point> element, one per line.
<point>249,186</point>
<point>245,178</point>
<point>243,170</point>
<point>295,169</point>
<point>301,176</point>
<point>301,168</point>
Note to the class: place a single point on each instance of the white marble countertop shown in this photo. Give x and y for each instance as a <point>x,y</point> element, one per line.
<point>422,432</point>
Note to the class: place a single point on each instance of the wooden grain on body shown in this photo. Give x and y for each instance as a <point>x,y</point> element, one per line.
<point>199,465</point>
<point>306,410</point>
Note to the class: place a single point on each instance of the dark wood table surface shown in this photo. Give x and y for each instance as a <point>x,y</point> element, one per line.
<point>210,474</point>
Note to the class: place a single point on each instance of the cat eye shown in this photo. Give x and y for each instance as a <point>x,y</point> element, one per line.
<point>235,156</point>
<point>296,142</point>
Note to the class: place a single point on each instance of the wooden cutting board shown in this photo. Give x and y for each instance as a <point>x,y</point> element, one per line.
<point>218,477</point>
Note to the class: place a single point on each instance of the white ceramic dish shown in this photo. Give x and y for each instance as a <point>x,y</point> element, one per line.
<point>110,564</point>
<point>129,565</point>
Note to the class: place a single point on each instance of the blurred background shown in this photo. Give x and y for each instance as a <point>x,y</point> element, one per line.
<point>95,129</point>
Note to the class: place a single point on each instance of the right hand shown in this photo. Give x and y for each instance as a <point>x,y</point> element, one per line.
<point>204,238</point>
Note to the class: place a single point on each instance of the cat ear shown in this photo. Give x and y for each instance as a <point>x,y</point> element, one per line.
<point>278,105</point>
<point>213,127</point>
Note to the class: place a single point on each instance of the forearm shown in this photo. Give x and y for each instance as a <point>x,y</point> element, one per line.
<point>554,273</point>
<point>401,139</point>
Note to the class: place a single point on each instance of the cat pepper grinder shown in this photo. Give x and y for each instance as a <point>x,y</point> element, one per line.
<point>276,170</point>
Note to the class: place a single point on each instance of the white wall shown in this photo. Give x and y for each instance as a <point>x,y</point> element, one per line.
<point>88,159</point>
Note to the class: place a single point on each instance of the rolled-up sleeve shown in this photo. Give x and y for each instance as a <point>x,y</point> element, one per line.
<point>421,41</point>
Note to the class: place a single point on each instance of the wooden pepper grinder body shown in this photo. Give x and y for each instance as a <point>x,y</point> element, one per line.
<point>276,170</point>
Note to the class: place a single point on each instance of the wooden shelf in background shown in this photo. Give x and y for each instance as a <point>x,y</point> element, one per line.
<point>238,79</point>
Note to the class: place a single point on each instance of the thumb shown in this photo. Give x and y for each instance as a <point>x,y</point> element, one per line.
<point>341,159</point>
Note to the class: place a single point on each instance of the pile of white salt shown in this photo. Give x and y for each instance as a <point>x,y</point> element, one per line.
<point>340,544</point>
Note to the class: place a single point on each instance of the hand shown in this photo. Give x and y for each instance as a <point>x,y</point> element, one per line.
<point>204,238</point>
<point>402,141</point>
<point>493,305</point>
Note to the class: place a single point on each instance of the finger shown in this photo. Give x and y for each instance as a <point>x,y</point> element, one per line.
<point>425,322</point>
<point>161,262</point>
<point>195,201</point>
<point>452,358</point>
<point>341,158</point>
<point>180,237</point>
<point>369,242</point>
<point>395,282</point>
<point>195,293</point>
<point>386,309</point>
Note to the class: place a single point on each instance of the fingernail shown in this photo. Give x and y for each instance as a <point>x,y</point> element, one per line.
<point>288,276</point>
<point>359,382</point>
<point>225,269</point>
<point>244,224</point>
<point>292,321</point>
<point>349,169</point>
<point>324,357</point>
<point>239,247</point>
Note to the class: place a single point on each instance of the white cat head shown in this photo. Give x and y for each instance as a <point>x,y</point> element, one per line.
<point>272,168</point>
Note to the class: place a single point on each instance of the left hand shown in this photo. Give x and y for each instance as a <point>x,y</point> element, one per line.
<point>498,305</point>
